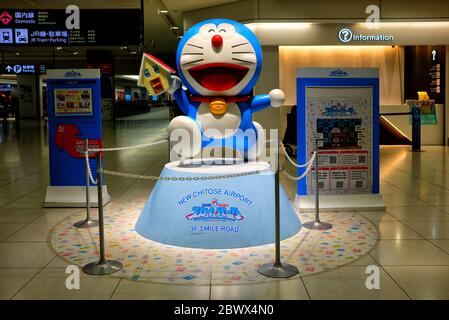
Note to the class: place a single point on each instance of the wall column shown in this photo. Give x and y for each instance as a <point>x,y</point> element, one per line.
<point>268,80</point>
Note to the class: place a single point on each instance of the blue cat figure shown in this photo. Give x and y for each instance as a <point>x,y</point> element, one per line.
<point>219,62</point>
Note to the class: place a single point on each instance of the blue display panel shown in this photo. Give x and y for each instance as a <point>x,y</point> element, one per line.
<point>74,114</point>
<point>340,108</point>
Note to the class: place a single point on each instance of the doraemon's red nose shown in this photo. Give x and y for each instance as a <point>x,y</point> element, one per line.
<point>217,41</point>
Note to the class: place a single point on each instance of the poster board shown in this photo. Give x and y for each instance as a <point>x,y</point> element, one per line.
<point>340,108</point>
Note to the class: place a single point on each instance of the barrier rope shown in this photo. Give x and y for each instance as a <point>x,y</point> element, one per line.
<point>143,177</point>
<point>127,148</point>
<point>291,161</point>
<point>86,154</point>
<point>89,171</point>
<point>309,167</point>
<point>155,178</point>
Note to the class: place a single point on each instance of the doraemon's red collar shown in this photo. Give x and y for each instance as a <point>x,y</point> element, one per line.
<point>227,99</point>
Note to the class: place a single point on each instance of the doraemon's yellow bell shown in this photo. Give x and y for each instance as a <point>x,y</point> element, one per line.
<point>218,106</point>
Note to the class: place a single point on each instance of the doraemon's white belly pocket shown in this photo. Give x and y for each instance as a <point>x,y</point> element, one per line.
<point>219,126</point>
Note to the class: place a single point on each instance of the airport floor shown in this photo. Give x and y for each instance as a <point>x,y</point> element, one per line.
<point>412,251</point>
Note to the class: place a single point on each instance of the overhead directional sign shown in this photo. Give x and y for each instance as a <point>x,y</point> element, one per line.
<point>49,27</point>
<point>23,68</point>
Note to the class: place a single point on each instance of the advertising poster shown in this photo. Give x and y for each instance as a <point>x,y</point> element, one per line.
<point>69,102</point>
<point>341,118</point>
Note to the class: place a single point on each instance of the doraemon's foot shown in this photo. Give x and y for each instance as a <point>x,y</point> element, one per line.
<point>185,138</point>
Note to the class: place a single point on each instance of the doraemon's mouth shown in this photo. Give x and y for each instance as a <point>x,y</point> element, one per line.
<point>218,76</point>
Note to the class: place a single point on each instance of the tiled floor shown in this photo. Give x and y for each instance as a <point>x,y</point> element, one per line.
<point>412,253</point>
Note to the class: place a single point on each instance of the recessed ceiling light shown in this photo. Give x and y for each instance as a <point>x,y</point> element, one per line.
<point>123,48</point>
<point>133,52</point>
<point>17,53</point>
<point>174,28</point>
<point>131,76</point>
<point>58,48</point>
<point>162,11</point>
<point>75,53</point>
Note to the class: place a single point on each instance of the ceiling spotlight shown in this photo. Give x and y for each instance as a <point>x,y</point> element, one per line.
<point>17,53</point>
<point>174,28</point>
<point>58,48</point>
<point>75,53</point>
<point>133,52</point>
<point>162,11</point>
<point>123,48</point>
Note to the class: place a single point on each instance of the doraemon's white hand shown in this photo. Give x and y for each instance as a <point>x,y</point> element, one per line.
<point>175,85</point>
<point>277,98</point>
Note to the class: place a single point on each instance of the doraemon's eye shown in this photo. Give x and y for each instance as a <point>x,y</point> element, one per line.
<point>211,30</point>
<point>222,30</point>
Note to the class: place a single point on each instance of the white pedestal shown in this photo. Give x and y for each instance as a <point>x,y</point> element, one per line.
<point>73,197</point>
<point>224,213</point>
<point>347,202</point>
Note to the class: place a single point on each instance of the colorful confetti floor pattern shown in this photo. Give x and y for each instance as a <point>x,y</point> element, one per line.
<point>145,260</point>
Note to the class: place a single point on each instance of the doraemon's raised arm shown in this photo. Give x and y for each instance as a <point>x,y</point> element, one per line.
<point>275,98</point>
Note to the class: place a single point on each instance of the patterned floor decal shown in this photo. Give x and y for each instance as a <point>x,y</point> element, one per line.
<point>311,251</point>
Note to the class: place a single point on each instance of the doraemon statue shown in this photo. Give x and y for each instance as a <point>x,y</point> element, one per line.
<point>219,62</point>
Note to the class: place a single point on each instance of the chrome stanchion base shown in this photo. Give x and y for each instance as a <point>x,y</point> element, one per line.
<point>284,271</point>
<point>102,268</point>
<point>86,224</point>
<point>313,225</point>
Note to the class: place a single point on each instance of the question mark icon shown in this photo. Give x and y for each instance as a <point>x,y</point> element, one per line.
<point>345,35</point>
<point>434,55</point>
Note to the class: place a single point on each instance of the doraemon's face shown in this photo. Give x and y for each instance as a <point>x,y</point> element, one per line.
<point>219,57</point>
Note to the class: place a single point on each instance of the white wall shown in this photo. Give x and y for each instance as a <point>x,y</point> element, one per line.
<point>389,61</point>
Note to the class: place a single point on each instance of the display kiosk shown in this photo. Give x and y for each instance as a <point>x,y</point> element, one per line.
<point>74,115</point>
<point>338,113</point>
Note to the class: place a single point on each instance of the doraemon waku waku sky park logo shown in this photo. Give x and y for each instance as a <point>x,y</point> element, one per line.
<point>339,110</point>
<point>214,211</point>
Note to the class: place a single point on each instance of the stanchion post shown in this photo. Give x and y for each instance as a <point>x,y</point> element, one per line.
<point>88,222</point>
<point>416,128</point>
<point>278,269</point>
<point>317,224</point>
<point>103,266</point>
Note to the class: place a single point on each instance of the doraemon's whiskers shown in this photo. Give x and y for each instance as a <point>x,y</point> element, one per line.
<point>240,44</point>
<point>193,61</point>
<point>241,52</point>
<point>194,45</point>
<point>247,61</point>
<point>192,53</point>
